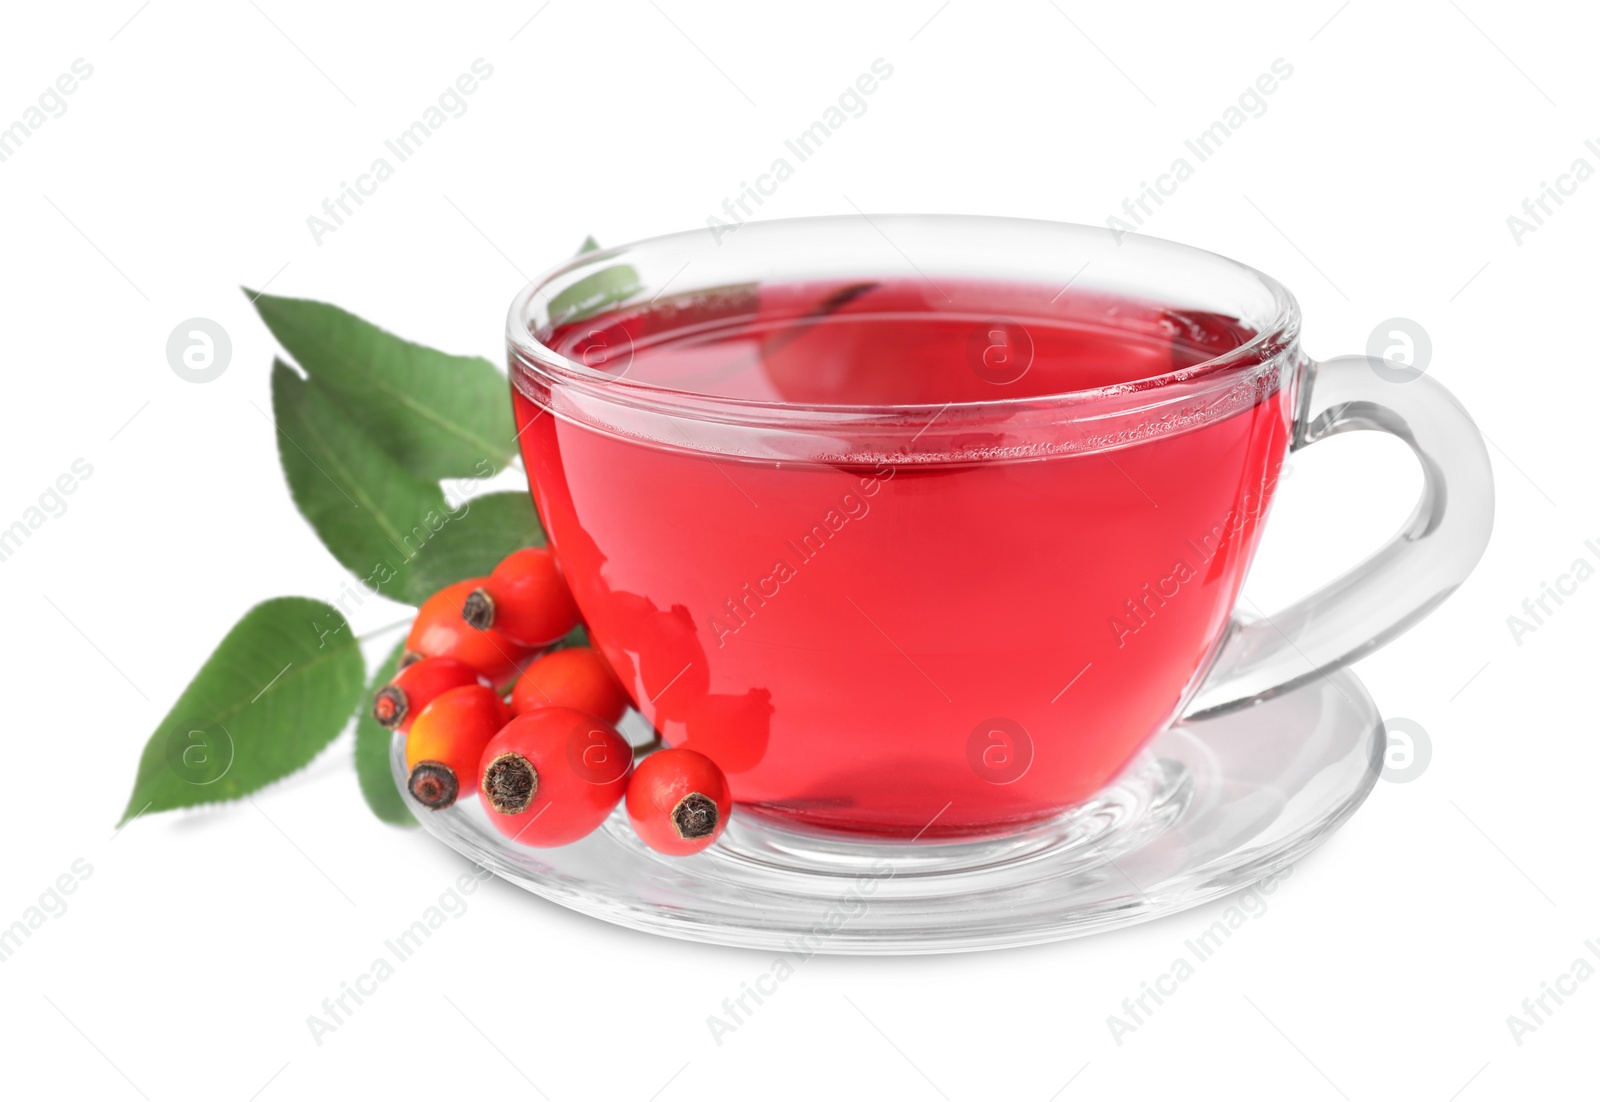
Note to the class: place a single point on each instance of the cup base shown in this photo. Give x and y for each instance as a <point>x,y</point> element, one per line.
<point>1150,793</point>
<point>1210,806</point>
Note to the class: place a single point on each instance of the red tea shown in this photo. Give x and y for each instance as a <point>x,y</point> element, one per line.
<point>873,638</point>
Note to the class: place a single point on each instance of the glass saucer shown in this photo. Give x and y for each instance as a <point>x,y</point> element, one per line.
<point>1210,806</point>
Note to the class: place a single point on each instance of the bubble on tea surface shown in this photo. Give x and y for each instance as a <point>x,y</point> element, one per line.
<point>199,751</point>
<point>1399,350</point>
<point>199,350</point>
<point>1408,750</point>
<point>999,351</point>
<point>999,750</point>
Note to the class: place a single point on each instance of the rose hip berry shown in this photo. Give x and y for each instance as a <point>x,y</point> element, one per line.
<point>525,599</point>
<point>439,632</point>
<point>552,776</point>
<point>418,685</point>
<point>577,677</point>
<point>678,801</point>
<point>446,743</point>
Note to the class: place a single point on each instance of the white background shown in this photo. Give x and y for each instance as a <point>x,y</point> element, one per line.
<point>1377,184</point>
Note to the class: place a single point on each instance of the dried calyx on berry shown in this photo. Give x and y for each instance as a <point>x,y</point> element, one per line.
<point>478,609</point>
<point>695,816</point>
<point>510,782</point>
<point>434,784</point>
<point>389,706</point>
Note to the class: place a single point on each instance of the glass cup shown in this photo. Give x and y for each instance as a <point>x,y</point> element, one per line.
<point>958,604</point>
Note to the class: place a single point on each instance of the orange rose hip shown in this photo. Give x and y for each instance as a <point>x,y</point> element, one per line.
<point>446,743</point>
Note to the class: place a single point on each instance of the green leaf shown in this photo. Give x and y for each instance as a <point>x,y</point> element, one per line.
<point>594,293</point>
<point>437,415</point>
<point>479,534</point>
<point>589,245</point>
<point>278,688</point>
<point>371,513</point>
<point>577,637</point>
<point>372,752</point>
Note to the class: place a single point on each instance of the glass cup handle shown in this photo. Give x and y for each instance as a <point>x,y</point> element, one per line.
<point>1405,579</point>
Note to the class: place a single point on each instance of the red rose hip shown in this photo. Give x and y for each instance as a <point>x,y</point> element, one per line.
<point>524,598</point>
<point>577,677</point>
<point>416,686</point>
<point>678,801</point>
<point>446,743</point>
<point>552,776</point>
<point>439,632</point>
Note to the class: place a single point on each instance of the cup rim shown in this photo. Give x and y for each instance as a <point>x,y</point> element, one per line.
<point>531,356</point>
